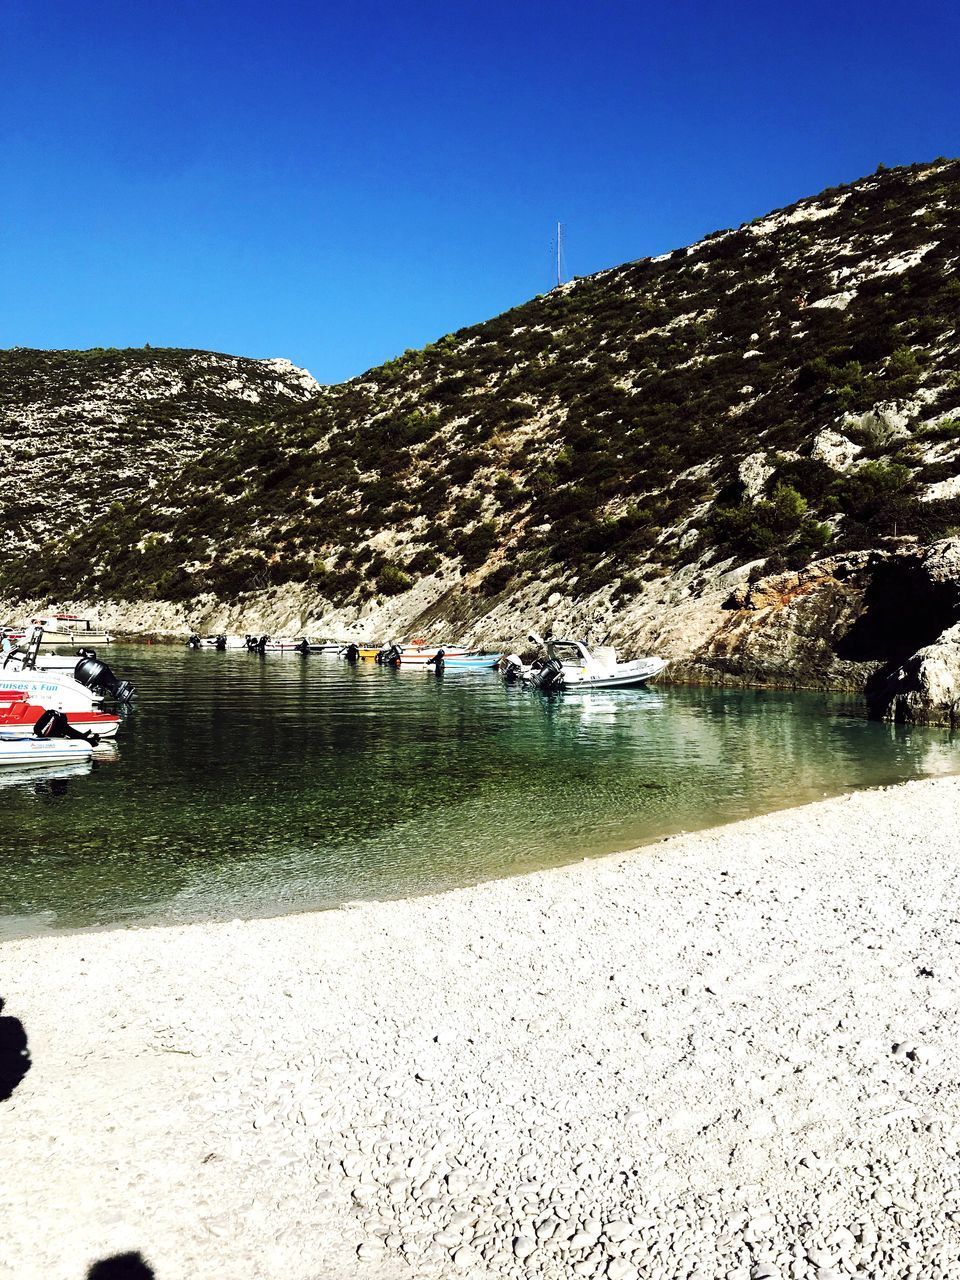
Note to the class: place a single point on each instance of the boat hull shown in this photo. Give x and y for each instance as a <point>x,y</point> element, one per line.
<point>19,719</point>
<point>478,662</point>
<point>634,681</point>
<point>88,639</point>
<point>25,750</point>
<point>52,691</point>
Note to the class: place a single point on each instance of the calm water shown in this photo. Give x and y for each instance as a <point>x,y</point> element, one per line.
<point>242,785</point>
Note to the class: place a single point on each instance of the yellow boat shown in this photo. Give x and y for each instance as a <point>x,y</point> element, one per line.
<point>369,650</point>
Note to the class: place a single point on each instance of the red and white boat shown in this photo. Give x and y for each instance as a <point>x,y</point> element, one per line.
<point>18,716</point>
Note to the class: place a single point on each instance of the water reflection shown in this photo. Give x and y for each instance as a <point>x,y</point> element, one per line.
<point>246,784</point>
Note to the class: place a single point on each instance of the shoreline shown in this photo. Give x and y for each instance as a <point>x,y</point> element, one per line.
<point>682,1054</point>
<point>520,873</point>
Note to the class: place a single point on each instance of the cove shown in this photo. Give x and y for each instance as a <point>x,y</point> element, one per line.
<point>245,786</point>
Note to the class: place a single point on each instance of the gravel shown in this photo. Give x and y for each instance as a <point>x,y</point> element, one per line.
<point>730,1055</point>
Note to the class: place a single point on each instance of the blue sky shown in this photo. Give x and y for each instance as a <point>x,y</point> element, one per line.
<point>335,182</point>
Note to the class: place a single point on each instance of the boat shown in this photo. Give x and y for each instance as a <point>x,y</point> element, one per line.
<point>83,689</point>
<point>283,644</point>
<point>62,629</point>
<point>570,664</point>
<point>220,642</point>
<point>477,661</point>
<point>418,653</point>
<point>13,661</point>
<point>30,750</point>
<point>354,652</point>
<point>18,717</point>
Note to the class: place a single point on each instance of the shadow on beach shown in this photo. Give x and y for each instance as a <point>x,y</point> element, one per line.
<point>14,1055</point>
<point>122,1266</point>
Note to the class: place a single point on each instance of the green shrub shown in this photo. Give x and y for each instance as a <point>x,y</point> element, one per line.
<point>392,581</point>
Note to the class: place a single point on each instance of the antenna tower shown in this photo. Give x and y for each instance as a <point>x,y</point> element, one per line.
<point>559,243</point>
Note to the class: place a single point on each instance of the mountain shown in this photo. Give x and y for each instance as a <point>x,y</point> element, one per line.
<point>734,453</point>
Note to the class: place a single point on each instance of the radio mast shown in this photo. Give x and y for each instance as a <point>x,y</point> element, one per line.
<point>559,242</point>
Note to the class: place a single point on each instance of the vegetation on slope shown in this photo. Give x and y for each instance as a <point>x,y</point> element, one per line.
<point>607,429</point>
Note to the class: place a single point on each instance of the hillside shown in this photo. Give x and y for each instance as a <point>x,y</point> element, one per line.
<point>83,430</point>
<point>634,451</point>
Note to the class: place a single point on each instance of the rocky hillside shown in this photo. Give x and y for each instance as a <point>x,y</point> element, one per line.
<point>83,431</point>
<point>734,452</point>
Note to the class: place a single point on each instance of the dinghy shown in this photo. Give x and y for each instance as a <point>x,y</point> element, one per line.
<point>284,644</point>
<point>219,642</point>
<point>478,661</point>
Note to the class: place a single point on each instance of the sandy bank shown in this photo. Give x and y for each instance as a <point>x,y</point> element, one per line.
<point>679,1062</point>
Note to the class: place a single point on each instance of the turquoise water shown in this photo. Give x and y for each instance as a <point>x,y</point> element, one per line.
<point>244,785</point>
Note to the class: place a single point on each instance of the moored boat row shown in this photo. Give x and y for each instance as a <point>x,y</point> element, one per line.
<point>558,664</point>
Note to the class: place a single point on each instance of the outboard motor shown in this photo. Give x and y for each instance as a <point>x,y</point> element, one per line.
<point>437,661</point>
<point>511,668</point>
<point>262,644</point>
<point>351,653</point>
<point>549,678</point>
<point>389,657</point>
<point>302,647</point>
<point>54,724</point>
<point>220,643</point>
<point>97,676</point>
<point>192,643</point>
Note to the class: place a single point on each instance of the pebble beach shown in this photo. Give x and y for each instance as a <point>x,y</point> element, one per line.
<point>730,1055</point>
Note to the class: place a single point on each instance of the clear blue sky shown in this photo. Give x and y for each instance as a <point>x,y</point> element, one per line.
<point>336,180</point>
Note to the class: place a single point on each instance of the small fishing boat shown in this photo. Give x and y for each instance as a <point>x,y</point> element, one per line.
<point>569,664</point>
<point>219,642</point>
<point>477,661</point>
<point>418,653</point>
<point>353,651</point>
<point>29,750</point>
<point>283,644</point>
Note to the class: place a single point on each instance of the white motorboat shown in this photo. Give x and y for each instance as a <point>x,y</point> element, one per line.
<point>13,661</point>
<point>29,750</point>
<point>83,689</point>
<point>62,629</point>
<point>282,644</point>
<point>569,664</point>
<point>220,642</point>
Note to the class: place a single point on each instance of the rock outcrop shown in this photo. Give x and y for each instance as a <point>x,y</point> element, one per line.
<point>926,688</point>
